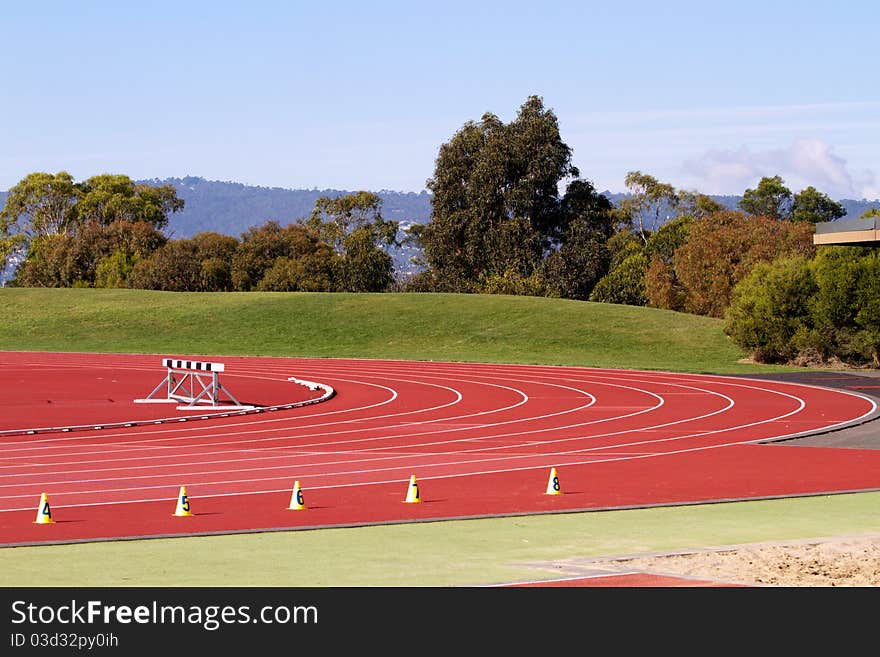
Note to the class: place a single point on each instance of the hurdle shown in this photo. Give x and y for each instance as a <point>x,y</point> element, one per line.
<point>193,385</point>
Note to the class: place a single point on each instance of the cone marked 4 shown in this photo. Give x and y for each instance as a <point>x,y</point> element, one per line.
<point>44,513</point>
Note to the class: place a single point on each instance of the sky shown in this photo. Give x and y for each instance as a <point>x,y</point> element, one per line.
<point>708,97</point>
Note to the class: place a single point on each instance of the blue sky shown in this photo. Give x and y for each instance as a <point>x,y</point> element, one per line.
<point>354,95</point>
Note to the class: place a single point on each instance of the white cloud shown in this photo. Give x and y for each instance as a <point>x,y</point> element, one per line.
<point>804,163</point>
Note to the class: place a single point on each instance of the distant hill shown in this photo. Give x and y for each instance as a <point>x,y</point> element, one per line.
<point>854,209</point>
<point>231,208</point>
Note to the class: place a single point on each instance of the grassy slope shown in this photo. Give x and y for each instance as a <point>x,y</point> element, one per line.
<point>414,327</point>
<point>405,326</point>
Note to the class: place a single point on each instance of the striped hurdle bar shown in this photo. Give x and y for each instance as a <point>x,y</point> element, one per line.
<point>194,382</point>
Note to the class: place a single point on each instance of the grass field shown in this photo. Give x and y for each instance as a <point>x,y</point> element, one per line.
<point>412,327</point>
<point>442,327</point>
<point>449,553</point>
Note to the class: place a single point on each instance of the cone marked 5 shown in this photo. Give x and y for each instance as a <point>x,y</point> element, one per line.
<point>183,507</point>
<point>296,498</point>
<point>412,492</point>
<point>44,513</point>
<point>553,487</point>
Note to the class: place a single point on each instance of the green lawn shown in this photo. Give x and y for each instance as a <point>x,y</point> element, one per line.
<point>400,326</point>
<point>446,327</point>
<point>449,553</point>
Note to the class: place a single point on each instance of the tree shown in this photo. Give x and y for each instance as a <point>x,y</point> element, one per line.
<point>624,278</point>
<point>68,259</point>
<point>315,272</point>
<point>260,246</point>
<point>769,310</point>
<point>8,246</point>
<point>47,263</point>
<point>353,225</point>
<point>592,212</point>
<point>335,217</point>
<point>652,221</point>
<point>174,267</point>
<point>109,197</point>
<point>40,204</point>
<point>867,318</point>
<point>113,270</point>
<point>723,248</point>
<point>846,310</point>
<point>461,208</point>
<point>697,205</point>
<point>573,270</point>
<point>493,183</point>
<point>364,267</point>
<point>582,258</point>
<point>649,204</point>
<point>771,198</point>
<point>215,252</point>
<point>138,239</point>
<point>800,310</point>
<point>662,287</point>
<point>812,206</point>
<point>625,283</point>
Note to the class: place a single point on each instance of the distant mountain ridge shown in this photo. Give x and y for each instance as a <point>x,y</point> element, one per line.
<point>231,208</point>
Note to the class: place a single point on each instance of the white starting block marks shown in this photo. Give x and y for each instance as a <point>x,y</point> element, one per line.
<point>193,385</point>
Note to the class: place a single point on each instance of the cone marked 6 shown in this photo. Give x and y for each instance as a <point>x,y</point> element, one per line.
<point>296,498</point>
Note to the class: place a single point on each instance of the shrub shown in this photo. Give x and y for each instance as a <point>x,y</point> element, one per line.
<point>770,306</point>
<point>624,284</point>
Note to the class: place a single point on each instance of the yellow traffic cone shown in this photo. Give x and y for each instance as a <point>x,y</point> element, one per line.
<point>412,492</point>
<point>296,498</point>
<point>44,513</point>
<point>553,487</point>
<point>183,506</point>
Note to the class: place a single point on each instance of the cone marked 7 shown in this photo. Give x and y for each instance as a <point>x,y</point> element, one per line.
<point>412,492</point>
<point>553,487</point>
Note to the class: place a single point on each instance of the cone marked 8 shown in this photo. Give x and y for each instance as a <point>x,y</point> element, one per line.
<point>553,487</point>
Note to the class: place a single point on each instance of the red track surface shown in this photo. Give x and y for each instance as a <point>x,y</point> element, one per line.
<point>480,439</point>
<point>625,580</point>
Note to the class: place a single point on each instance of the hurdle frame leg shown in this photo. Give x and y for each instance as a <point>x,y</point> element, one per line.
<point>181,373</point>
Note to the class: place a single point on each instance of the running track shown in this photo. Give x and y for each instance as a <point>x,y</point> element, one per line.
<point>480,439</point>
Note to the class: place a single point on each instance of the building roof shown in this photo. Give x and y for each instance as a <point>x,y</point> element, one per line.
<point>863,232</point>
